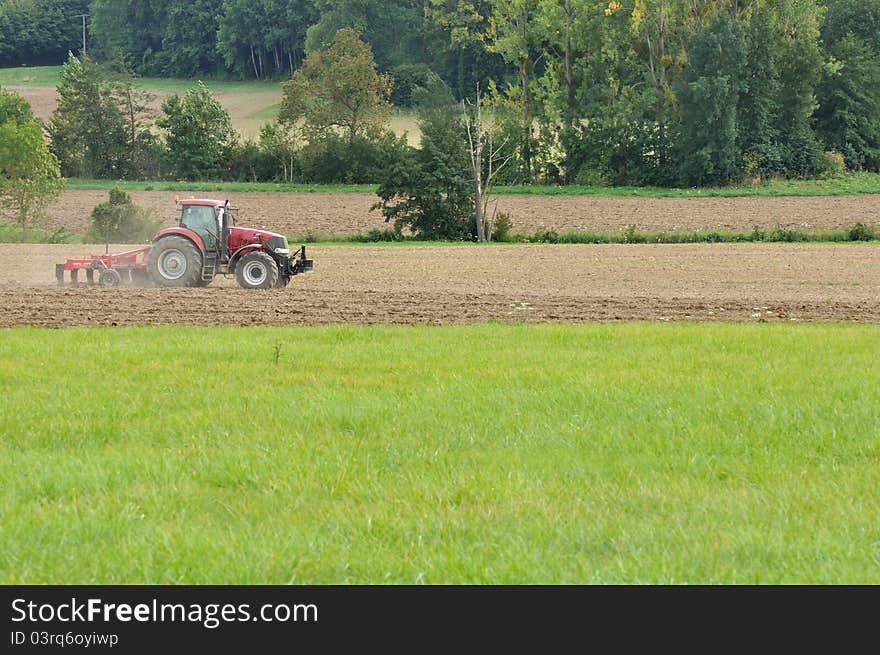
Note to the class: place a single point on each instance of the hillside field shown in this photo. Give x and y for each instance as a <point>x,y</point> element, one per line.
<point>250,104</point>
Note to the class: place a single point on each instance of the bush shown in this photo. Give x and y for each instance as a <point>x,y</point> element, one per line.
<point>834,164</point>
<point>590,177</point>
<point>378,236</point>
<point>121,221</point>
<point>862,232</point>
<point>502,228</point>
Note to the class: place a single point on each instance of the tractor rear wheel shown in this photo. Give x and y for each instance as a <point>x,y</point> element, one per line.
<point>175,262</point>
<point>256,270</point>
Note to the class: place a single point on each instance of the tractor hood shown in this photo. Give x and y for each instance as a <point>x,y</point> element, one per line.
<point>240,236</point>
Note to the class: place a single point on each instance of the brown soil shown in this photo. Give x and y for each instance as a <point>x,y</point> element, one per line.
<point>462,284</point>
<point>321,214</point>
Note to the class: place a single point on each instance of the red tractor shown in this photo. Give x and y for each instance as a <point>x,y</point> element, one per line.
<point>206,243</point>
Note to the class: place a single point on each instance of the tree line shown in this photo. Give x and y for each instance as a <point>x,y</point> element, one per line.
<point>660,92</point>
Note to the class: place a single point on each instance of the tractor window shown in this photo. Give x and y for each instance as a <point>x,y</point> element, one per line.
<point>201,220</point>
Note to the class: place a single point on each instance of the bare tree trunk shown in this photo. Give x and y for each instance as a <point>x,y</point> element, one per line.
<point>482,180</point>
<point>254,62</point>
<point>477,161</point>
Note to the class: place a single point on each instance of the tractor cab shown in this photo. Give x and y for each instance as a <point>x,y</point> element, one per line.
<point>207,218</point>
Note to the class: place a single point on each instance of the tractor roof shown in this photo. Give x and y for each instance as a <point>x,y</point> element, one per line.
<point>201,202</point>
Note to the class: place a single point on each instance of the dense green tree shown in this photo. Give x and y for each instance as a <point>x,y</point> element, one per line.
<point>758,107</point>
<point>199,134</point>
<point>708,100</point>
<point>279,142</point>
<point>130,31</point>
<point>88,129</point>
<point>392,28</point>
<point>30,176</point>
<point>454,34</point>
<point>848,117</point>
<point>338,88</point>
<point>430,190</point>
<point>189,42</point>
<point>513,33</point>
<point>569,31</point>
<point>263,38</point>
<point>40,32</point>
<point>799,61</point>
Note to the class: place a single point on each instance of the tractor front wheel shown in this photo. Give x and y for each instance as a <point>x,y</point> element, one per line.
<point>256,270</point>
<point>175,262</point>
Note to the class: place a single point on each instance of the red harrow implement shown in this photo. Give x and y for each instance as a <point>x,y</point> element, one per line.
<point>125,268</point>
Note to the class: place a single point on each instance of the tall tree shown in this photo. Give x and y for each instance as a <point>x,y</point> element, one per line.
<point>87,129</point>
<point>848,117</point>
<point>709,97</point>
<point>30,176</point>
<point>190,38</point>
<point>199,134</point>
<point>570,34</point>
<point>130,31</point>
<point>339,88</point>
<point>758,107</point>
<point>800,61</point>
<point>430,190</point>
<point>391,27</point>
<point>454,30</point>
<point>513,34</point>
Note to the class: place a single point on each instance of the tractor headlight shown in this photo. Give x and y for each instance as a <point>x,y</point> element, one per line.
<point>282,251</point>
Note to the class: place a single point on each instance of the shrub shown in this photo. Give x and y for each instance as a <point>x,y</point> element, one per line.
<point>862,232</point>
<point>502,228</point>
<point>834,164</point>
<point>121,221</point>
<point>378,236</point>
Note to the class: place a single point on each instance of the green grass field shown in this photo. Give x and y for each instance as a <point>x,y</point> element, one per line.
<point>465,454</point>
<point>51,76</point>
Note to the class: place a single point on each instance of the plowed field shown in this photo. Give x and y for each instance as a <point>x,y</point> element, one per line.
<point>322,214</point>
<point>462,284</point>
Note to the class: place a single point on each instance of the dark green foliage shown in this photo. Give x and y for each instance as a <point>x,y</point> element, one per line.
<point>848,117</point>
<point>637,92</point>
<point>799,61</point>
<point>708,100</point>
<point>406,79</point>
<point>757,133</point>
<point>263,38</point>
<point>121,221</point>
<point>40,32</point>
<point>862,232</point>
<point>200,135</point>
<point>87,128</point>
<point>430,190</point>
<point>334,160</point>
